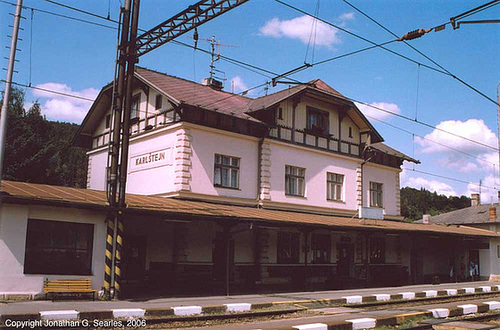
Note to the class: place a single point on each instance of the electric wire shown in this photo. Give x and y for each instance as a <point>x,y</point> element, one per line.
<point>423,123</point>
<point>422,54</point>
<point>480,10</point>
<point>81,11</point>
<point>51,91</point>
<point>61,15</point>
<point>430,140</point>
<point>245,64</point>
<point>441,70</point>
<point>270,72</point>
<point>449,178</point>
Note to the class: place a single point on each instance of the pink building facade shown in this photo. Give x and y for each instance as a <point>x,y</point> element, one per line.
<point>306,150</point>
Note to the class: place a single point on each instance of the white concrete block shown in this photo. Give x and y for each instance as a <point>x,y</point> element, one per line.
<point>353,299</point>
<point>187,310</point>
<point>364,323</point>
<point>238,307</point>
<point>129,312</point>
<point>451,292</point>
<point>382,297</point>
<point>486,288</point>
<point>59,315</point>
<point>408,295</point>
<point>440,313</point>
<point>469,308</point>
<point>430,293</point>
<point>469,290</point>
<point>493,304</point>
<point>312,326</point>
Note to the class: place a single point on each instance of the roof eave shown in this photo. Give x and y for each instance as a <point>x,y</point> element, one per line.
<point>76,141</point>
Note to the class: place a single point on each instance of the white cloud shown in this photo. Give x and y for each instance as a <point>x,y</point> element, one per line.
<point>64,108</point>
<point>345,18</point>
<point>473,129</point>
<point>439,187</point>
<point>300,28</point>
<point>378,114</point>
<point>238,84</point>
<point>460,154</point>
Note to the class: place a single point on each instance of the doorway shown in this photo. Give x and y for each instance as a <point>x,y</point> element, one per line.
<point>134,257</point>
<point>219,256</point>
<point>345,259</point>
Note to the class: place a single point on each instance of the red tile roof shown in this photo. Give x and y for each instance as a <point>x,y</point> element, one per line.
<point>20,192</point>
<point>185,91</point>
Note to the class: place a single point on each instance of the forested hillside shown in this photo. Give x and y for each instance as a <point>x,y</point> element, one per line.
<point>417,202</point>
<point>38,150</point>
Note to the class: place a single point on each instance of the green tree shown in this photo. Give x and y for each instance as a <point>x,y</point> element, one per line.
<point>415,203</point>
<point>38,150</point>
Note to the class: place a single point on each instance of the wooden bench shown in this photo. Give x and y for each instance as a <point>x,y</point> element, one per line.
<point>75,286</point>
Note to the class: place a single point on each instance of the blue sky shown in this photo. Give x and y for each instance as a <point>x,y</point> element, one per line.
<point>78,58</point>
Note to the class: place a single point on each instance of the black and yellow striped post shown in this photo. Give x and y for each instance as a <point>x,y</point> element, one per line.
<point>118,256</point>
<point>109,256</point>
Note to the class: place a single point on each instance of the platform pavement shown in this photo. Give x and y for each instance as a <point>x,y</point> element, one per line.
<point>28,307</point>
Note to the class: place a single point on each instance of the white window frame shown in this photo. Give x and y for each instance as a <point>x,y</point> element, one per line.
<point>226,171</point>
<point>334,187</point>
<point>295,181</point>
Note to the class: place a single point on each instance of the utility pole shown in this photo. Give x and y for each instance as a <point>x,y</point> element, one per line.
<point>131,48</point>
<point>8,83</point>
<point>498,136</point>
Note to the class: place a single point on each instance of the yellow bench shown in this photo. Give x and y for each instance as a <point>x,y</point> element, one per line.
<point>83,285</point>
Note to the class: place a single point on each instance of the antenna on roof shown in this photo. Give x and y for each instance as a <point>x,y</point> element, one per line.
<point>214,81</point>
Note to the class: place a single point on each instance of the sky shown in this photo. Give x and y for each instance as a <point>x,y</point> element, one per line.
<point>78,58</point>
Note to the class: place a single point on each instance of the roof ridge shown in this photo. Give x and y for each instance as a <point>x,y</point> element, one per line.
<point>193,82</point>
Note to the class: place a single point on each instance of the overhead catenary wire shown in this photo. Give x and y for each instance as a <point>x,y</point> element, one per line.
<point>422,54</point>
<point>440,70</point>
<point>69,95</point>
<point>450,178</point>
<point>430,140</point>
<point>80,10</point>
<point>62,16</point>
<point>51,91</point>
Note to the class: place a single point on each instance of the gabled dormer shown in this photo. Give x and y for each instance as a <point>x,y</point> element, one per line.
<point>315,115</point>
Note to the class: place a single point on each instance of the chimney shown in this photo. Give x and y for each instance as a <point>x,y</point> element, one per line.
<point>213,83</point>
<point>493,213</point>
<point>475,200</point>
<point>426,218</point>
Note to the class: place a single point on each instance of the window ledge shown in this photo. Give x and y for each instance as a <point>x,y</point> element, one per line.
<point>224,187</point>
<point>335,201</point>
<point>299,196</point>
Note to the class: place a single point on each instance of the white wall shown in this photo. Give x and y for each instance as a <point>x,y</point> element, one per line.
<point>155,177</point>
<point>492,260</point>
<point>387,176</point>
<point>207,143</point>
<point>97,169</point>
<point>316,165</point>
<point>13,226</point>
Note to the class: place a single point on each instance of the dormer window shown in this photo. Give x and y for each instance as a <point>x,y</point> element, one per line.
<point>108,121</point>
<point>134,112</point>
<point>317,121</point>
<point>158,101</point>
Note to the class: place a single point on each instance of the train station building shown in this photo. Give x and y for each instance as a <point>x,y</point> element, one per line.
<point>295,190</point>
